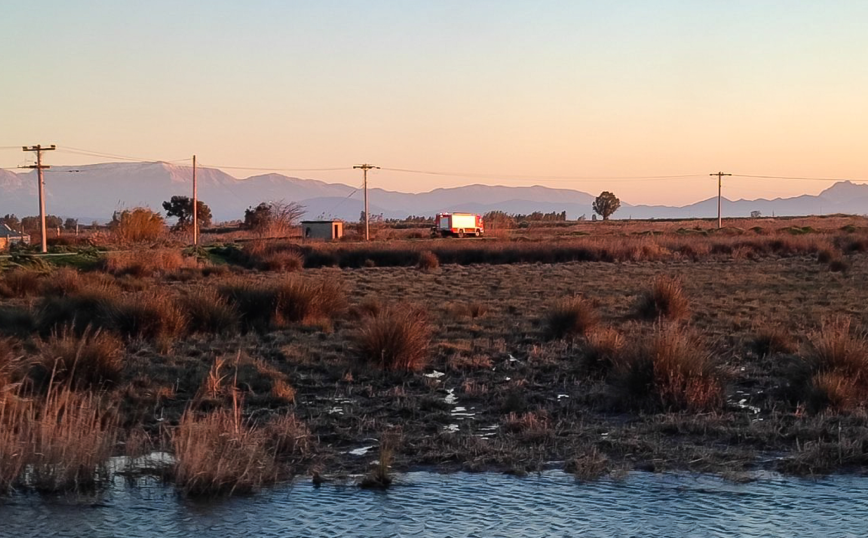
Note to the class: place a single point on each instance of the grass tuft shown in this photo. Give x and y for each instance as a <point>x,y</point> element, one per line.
<point>93,360</point>
<point>395,338</point>
<point>571,318</point>
<point>663,299</point>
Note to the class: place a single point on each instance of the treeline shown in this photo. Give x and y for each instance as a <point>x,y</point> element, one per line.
<point>502,219</point>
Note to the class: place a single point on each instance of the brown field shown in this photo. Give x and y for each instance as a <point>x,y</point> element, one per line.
<point>720,352</point>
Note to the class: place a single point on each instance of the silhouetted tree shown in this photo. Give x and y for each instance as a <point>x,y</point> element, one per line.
<point>182,207</point>
<point>12,221</point>
<point>606,204</point>
<point>70,224</point>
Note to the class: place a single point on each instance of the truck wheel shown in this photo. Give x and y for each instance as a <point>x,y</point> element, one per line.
<point>461,233</point>
<point>476,233</point>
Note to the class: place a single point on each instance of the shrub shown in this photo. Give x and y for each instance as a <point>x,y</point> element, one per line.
<point>209,312</point>
<point>88,307</point>
<point>92,360</point>
<point>220,454</point>
<point>428,261</point>
<point>671,370</point>
<point>281,261</point>
<point>62,282</point>
<point>835,348</point>
<point>137,225</point>
<point>17,321</point>
<point>396,338</point>
<point>570,318</point>
<point>664,299</point>
<point>834,391</point>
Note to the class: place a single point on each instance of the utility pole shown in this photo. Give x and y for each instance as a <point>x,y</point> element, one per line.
<point>365,167</point>
<point>195,207</point>
<point>719,193</point>
<point>39,168</point>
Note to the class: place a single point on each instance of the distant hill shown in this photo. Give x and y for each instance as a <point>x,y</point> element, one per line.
<point>93,192</point>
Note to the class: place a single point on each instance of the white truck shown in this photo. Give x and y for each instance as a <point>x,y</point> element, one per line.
<point>457,225</point>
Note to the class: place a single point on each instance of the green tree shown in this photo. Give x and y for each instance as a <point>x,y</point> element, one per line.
<point>70,224</point>
<point>182,207</point>
<point>258,219</point>
<point>606,204</point>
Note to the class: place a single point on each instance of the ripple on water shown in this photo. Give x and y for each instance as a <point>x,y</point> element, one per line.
<point>425,504</point>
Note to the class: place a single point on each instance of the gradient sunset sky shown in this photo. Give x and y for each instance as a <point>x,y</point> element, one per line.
<point>529,89</point>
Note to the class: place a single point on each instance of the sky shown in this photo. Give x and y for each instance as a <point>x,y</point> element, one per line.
<point>567,94</point>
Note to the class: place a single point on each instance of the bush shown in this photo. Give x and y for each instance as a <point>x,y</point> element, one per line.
<point>152,316</point>
<point>220,454</point>
<point>93,360</point>
<point>209,312</point>
<point>571,318</point>
<point>664,299</point>
<point>88,307</point>
<point>428,261</point>
<point>671,370</point>
<point>137,225</point>
<point>396,338</point>
<point>254,301</point>
<point>281,261</point>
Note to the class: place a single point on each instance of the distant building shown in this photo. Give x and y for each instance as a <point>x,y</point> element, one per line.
<point>328,230</point>
<point>9,237</point>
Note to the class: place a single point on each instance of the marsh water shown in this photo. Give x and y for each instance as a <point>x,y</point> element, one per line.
<point>453,505</point>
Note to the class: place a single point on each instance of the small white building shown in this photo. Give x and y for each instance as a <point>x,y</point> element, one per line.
<point>9,237</point>
<point>329,230</point>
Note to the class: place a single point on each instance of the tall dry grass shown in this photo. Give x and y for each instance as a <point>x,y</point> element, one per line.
<point>671,370</point>
<point>293,300</point>
<point>93,360</point>
<point>394,338</point>
<point>57,444</point>
<point>149,262</point>
<point>137,225</point>
<point>835,373</point>
<point>663,299</point>
<point>571,317</point>
<point>220,454</point>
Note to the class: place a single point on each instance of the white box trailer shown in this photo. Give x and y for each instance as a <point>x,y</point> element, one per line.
<point>458,225</point>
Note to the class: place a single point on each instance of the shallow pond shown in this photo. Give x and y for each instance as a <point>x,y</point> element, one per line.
<point>428,504</point>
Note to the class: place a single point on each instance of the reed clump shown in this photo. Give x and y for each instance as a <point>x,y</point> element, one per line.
<point>571,318</point>
<point>221,454</point>
<point>663,299</point>
<point>671,370</point>
<point>836,367</point>
<point>210,313</point>
<point>93,360</point>
<point>394,338</point>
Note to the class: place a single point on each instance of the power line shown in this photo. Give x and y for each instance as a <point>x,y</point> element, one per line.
<point>801,178</point>
<point>533,177</point>
<point>101,154</point>
<point>258,169</point>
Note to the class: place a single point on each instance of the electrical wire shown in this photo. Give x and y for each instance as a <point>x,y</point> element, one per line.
<point>104,155</point>
<point>258,169</point>
<point>506,177</point>
<point>800,178</point>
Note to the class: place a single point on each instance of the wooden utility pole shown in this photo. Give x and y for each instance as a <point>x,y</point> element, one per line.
<point>719,193</point>
<point>365,167</point>
<point>195,207</point>
<point>39,168</point>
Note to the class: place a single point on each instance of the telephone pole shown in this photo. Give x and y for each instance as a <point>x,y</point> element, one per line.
<point>39,168</point>
<point>365,167</point>
<point>719,192</point>
<point>195,207</point>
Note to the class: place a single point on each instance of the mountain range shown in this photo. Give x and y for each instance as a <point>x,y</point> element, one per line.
<point>93,192</point>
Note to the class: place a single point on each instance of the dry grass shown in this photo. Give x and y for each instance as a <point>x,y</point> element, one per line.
<point>152,316</point>
<point>588,466</point>
<point>380,476</point>
<point>93,360</point>
<point>221,454</point>
<point>663,299</point>
<point>396,338</point>
<point>19,282</point>
<point>672,370</point>
<point>289,438</point>
<point>837,366</point>
<point>138,225</point>
<point>428,261</point>
<point>209,312</point>
<point>10,358</point>
<point>601,351</point>
<point>307,300</point>
<point>150,262</point>
<point>571,318</point>
<point>772,339</point>
<point>59,444</point>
